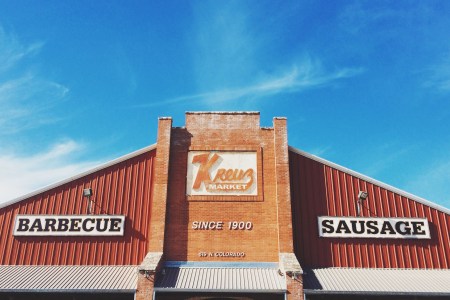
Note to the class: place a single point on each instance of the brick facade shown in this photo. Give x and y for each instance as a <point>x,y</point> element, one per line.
<point>232,132</point>
<point>145,287</point>
<point>221,168</point>
<point>269,211</point>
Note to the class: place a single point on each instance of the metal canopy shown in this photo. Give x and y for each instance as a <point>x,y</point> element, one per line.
<point>114,279</point>
<point>377,281</point>
<point>224,278</point>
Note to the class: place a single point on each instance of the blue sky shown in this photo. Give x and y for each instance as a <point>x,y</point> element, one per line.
<point>364,84</point>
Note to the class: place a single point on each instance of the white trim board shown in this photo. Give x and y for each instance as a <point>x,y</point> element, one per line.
<point>77,176</point>
<point>371,180</point>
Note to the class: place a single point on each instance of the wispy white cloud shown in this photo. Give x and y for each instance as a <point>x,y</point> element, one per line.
<point>433,183</point>
<point>225,45</point>
<point>320,151</point>
<point>235,58</point>
<point>439,76</point>
<point>428,179</point>
<point>25,96</point>
<point>358,16</point>
<point>28,100</point>
<point>301,76</point>
<point>12,51</point>
<point>21,174</point>
<point>386,155</point>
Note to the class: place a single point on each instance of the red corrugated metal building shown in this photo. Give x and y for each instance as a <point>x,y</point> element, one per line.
<point>223,208</point>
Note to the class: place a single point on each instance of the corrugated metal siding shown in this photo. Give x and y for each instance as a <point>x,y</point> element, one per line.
<point>221,279</point>
<point>124,188</point>
<point>377,281</point>
<point>318,189</point>
<point>68,278</point>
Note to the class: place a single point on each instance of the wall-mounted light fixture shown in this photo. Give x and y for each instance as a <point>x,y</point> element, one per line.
<point>87,193</point>
<point>362,196</point>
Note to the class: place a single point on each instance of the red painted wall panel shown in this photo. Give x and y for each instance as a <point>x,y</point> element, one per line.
<point>125,188</point>
<point>318,189</point>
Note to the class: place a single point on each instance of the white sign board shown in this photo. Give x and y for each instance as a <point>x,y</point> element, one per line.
<point>362,227</point>
<point>221,173</point>
<point>69,225</point>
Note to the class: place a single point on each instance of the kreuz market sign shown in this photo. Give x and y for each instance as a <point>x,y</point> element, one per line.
<point>69,225</point>
<point>356,227</point>
<point>221,173</point>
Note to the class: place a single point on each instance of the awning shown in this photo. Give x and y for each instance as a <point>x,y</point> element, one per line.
<point>377,281</point>
<point>75,279</point>
<point>221,277</point>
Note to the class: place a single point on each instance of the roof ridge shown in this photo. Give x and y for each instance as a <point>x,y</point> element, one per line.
<point>79,175</point>
<point>371,180</point>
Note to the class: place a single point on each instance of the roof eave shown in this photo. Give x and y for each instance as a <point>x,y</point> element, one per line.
<point>78,176</point>
<point>372,293</point>
<point>371,180</point>
<point>175,290</point>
